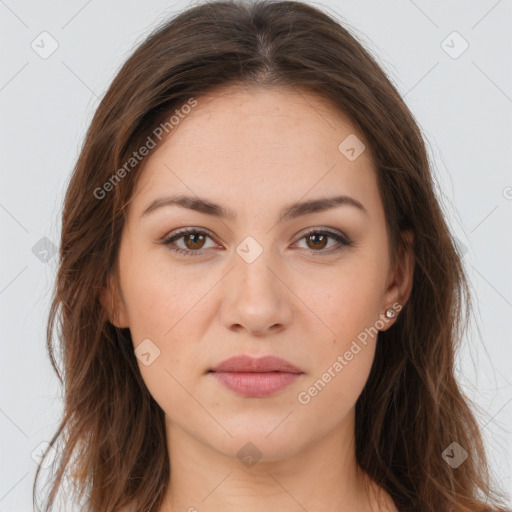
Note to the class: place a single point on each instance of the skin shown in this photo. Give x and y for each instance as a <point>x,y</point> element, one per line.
<point>255,152</point>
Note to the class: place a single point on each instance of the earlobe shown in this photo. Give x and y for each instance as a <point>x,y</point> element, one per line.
<point>114,306</point>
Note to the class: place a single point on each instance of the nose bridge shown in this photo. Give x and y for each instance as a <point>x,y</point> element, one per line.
<point>255,298</point>
<point>253,260</point>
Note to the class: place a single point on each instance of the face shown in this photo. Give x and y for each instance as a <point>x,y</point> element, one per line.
<point>308,285</point>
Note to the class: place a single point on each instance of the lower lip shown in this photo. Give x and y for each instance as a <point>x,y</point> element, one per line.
<point>256,384</point>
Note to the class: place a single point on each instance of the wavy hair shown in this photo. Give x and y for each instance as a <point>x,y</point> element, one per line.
<point>111,440</point>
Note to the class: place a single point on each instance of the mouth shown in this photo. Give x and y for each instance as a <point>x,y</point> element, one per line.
<point>255,378</point>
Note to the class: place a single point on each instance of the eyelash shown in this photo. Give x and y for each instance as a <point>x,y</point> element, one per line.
<point>342,240</point>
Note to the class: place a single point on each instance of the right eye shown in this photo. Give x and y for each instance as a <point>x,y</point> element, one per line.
<point>193,239</point>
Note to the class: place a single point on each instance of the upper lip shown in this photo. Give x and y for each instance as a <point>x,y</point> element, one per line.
<point>245,363</point>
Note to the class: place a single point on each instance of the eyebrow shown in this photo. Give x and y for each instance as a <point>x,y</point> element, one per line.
<point>294,210</point>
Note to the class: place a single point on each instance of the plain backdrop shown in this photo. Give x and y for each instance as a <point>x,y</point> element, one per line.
<point>451,61</point>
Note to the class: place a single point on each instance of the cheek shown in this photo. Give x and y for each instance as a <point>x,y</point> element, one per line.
<point>171,307</point>
<point>159,298</point>
<point>346,300</point>
<point>338,373</point>
<point>163,312</point>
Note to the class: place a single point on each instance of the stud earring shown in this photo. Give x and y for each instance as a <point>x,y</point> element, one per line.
<point>390,313</point>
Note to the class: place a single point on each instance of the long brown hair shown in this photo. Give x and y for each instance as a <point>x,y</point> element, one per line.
<point>411,409</point>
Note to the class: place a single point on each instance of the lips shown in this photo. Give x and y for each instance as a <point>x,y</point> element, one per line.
<point>248,364</point>
<point>255,378</point>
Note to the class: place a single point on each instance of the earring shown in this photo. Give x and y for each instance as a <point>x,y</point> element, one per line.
<point>390,313</point>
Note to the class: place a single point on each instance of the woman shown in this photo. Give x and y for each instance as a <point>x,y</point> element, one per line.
<point>258,294</point>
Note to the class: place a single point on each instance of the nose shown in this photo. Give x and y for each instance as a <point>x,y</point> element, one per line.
<point>256,297</point>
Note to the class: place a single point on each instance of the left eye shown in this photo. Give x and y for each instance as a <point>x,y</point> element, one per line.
<point>194,241</point>
<point>318,240</point>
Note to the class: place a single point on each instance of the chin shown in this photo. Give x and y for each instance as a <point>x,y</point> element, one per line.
<point>269,439</point>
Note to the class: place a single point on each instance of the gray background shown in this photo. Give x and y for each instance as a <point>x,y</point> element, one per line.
<point>462,102</point>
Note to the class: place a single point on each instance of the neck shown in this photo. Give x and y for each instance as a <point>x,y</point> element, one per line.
<point>321,475</point>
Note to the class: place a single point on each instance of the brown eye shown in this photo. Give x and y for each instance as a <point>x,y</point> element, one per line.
<point>323,242</point>
<point>188,242</point>
<point>196,241</point>
<point>318,241</point>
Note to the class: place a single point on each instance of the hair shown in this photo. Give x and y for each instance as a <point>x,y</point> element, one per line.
<point>411,408</point>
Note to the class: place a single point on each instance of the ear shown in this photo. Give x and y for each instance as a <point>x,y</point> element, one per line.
<point>400,281</point>
<point>111,299</point>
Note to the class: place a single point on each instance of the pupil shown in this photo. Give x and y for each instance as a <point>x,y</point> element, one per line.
<point>194,236</point>
<point>322,237</point>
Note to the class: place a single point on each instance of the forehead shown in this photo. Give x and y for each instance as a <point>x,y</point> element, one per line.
<point>244,143</point>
